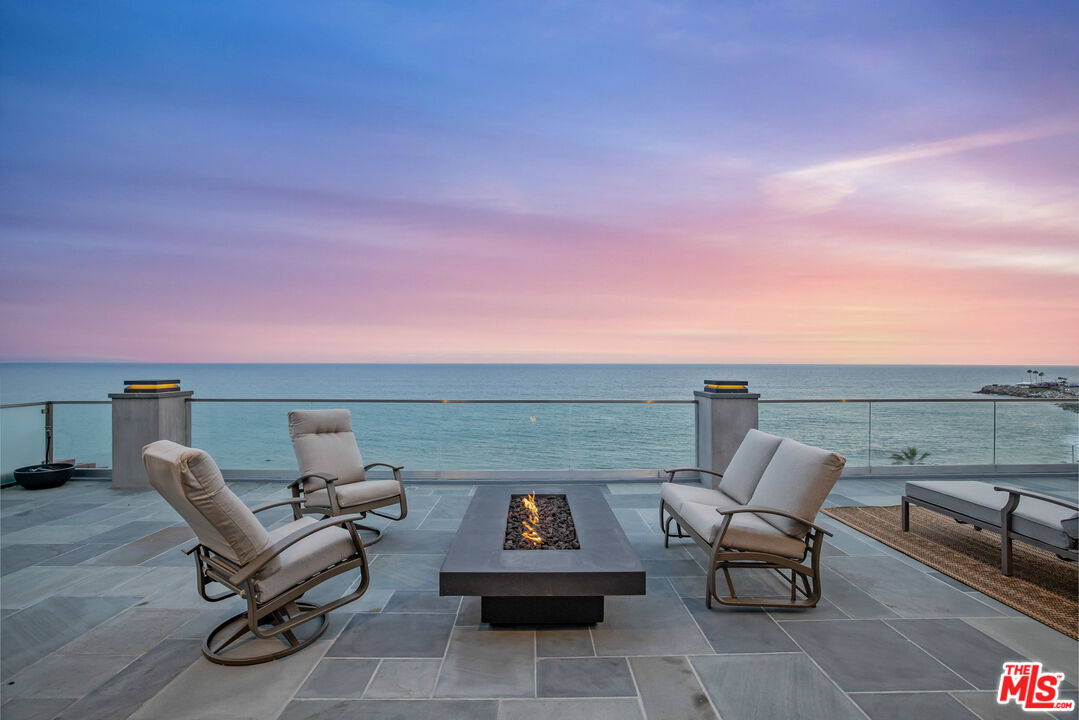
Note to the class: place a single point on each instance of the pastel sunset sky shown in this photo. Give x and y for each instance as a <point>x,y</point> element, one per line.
<point>847,182</point>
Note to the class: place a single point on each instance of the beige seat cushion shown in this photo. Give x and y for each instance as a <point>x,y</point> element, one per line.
<point>674,495</point>
<point>308,557</point>
<point>797,481</point>
<point>324,443</point>
<point>357,493</point>
<point>747,466</point>
<point>191,483</point>
<point>746,532</point>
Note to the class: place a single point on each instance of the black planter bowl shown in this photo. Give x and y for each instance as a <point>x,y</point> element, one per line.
<point>39,477</point>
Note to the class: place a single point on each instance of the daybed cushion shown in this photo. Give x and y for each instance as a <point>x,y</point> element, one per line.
<point>796,481</point>
<point>978,500</point>
<point>747,466</point>
<point>746,532</point>
<point>309,556</point>
<point>674,495</point>
<point>357,493</point>
<point>324,443</point>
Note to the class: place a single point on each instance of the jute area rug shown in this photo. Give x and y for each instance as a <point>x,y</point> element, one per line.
<point>1043,586</point>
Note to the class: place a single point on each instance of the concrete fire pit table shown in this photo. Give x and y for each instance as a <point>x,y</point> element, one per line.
<point>541,587</point>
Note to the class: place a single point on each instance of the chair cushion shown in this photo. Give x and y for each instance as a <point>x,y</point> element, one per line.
<point>747,531</point>
<point>747,466</point>
<point>324,443</point>
<point>191,483</point>
<point>797,480</point>
<point>308,557</point>
<point>674,495</point>
<point>978,500</point>
<point>357,493</point>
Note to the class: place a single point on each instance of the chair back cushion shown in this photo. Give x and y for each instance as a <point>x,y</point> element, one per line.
<point>797,480</point>
<point>192,484</point>
<point>324,443</point>
<point>747,466</point>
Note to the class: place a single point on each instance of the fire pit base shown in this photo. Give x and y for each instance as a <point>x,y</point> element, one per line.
<point>539,610</point>
<point>541,587</point>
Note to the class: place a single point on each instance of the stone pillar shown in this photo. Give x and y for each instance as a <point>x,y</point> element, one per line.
<point>146,411</point>
<point>726,411</point>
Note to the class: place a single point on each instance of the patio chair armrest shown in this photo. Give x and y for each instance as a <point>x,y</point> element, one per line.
<point>325,477</point>
<point>279,503</point>
<point>1015,492</point>
<point>772,511</point>
<point>252,568</point>
<point>395,468</point>
<point>670,473</point>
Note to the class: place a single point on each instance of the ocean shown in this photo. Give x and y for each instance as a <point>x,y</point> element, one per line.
<point>556,436</point>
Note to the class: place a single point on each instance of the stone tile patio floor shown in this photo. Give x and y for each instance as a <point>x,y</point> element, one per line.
<point>100,619</point>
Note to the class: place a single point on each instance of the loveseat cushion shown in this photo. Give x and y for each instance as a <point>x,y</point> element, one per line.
<point>747,531</point>
<point>674,495</point>
<point>797,480</point>
<point>747,466</point>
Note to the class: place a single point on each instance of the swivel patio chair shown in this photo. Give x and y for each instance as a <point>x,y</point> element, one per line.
<point>270,570</point>
<point>760,517</point>
<point>333,479</point>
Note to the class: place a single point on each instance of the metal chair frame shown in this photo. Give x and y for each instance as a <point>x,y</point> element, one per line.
<point>334,508</point>
<point>723,558</point>
<point>278,616</point>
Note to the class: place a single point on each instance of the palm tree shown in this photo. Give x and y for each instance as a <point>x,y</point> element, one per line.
<point>909,457</point>
<point>1029,378</point>
<point>1040,376</point>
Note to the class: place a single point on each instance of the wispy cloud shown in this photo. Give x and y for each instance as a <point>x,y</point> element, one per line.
<point>823,186</point>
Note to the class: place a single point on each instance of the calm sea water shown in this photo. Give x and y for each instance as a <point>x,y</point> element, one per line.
<point>543,436</point>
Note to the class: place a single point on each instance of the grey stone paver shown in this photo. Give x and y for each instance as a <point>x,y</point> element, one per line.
<point>669,688</point>
<point>100,619</point>
<point>339,678</point>
<point>868,655</point>
<point>404,679</point>
<point>759,687</point>
<point>394,635</point>
<point>482,662</point>
<point>564,642</point>
<point>901,706</point>
<point>583,677</point>
<point>561,709</point>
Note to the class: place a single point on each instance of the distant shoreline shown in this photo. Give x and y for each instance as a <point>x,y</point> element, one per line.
<point>1035,391</point>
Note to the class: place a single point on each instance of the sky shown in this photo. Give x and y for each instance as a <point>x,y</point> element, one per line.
<point>720,182</point>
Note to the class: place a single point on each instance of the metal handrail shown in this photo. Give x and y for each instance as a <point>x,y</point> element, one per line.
<point>599,401</point>
<point>451,401</point>
<point>924,400</point>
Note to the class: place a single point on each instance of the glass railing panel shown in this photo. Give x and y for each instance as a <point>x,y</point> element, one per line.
<point>952,433</point>
<point>840,426</point>
<point>22,438</point>
<point>1035,433</point>
<point>83,433</point>
<point>254,435</point>
<point>506,436</point>
<point>632,436</point>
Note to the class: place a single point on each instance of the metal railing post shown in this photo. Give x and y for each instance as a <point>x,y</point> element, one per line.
<point>994,435</point>
<point>48,431</point>
<point>869,447</point>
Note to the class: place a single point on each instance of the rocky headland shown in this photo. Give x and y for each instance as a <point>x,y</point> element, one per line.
<point>1036,392</point>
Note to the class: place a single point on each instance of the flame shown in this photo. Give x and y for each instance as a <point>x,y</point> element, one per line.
<point>531,534</point>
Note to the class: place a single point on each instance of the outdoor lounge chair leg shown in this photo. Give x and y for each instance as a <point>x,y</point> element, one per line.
<point>906,514</point>
<point>215,651</point>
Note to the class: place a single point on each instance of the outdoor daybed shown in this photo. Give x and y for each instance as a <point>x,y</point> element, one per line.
<point>1042,520</point>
